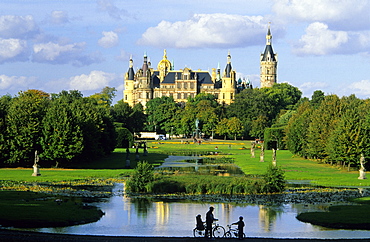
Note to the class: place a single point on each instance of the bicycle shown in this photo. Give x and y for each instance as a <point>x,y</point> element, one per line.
<point>217,230</point>
<point>232,232</point>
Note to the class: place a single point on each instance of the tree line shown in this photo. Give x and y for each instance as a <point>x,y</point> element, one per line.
<point>67,127</point>
<point>331,129</point>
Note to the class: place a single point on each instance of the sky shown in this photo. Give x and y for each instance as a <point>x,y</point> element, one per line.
<point>86,45</point>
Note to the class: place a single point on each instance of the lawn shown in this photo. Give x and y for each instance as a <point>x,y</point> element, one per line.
<point>113,166</point>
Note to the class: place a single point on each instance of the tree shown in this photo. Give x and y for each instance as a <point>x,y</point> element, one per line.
<point>297,129</point>
<point>4,137</point>
<point>142,177</point>
<point>62,138</point>
<point>351,136</point>
<point>105,97</point>
<point>235,127</point>
<point>24,121</point>
<point>160,111</point>
<point>222,128</point>
<point>323,121</point>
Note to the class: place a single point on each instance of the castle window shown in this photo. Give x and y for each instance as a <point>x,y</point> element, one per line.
<point>185,95</point>
<point>232,95</point>
<point>147,95</point>
<point>191,85</point>
<point>223,95</point>
<point>125,97</point>
<point>178,85</point>
<point>178,95</point>
<point>185,85</point>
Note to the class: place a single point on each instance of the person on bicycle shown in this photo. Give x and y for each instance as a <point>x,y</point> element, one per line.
<point>240,224</point>
<point>200,223</point>
<point>209,220</point>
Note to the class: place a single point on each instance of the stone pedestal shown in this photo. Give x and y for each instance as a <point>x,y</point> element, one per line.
<point>362,174</point>
<point>36,170</point>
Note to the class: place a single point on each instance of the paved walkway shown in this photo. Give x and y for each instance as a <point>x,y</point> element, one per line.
<point>11,235</point>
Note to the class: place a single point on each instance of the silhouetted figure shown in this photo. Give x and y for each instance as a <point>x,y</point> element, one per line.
<point>200,223</point>
<point>209,220</point>
<point>240,224</point>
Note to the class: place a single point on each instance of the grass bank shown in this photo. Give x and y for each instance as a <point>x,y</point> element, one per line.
<point>24,209</point>
<point>342,217</point>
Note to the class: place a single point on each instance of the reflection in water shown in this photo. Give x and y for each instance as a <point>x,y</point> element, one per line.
<point>141,217</point>
<point>268,216</point>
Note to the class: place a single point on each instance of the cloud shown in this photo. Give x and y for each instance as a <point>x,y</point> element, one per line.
<point>320,40</point>
<point>96,80</point>
<point>19,27</point>
<point>207,30</point>
<point>58,17</point>
<point>343,14</point>
<point>109,39</point>
<point>361,87</point>
<point>309,87</point>
<point>14,82</point>
<point>13,50</point>
<point>112,10</point>
<point>55,53</point>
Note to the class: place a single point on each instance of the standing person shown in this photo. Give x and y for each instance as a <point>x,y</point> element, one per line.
<point>240,224</point>
<point>209,220</point>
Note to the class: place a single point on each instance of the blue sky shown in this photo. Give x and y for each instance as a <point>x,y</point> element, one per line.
<point>86,44</point>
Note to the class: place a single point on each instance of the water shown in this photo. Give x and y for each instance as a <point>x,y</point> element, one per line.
<point>139,217</point>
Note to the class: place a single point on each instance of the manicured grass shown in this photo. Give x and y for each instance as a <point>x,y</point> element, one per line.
<point>296,168</point>
<point>342,217</point>
<point>31,210</point>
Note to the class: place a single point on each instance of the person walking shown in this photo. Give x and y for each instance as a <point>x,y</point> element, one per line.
<point>209,221</point>
<point>240,224</point>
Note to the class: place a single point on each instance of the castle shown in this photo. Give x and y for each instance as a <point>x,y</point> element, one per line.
<point>148,83</point>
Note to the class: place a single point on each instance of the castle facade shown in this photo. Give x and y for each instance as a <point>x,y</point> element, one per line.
<point>148,83</point>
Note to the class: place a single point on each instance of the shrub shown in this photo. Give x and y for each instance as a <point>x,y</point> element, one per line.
<point>273,180</point>
<point>142,178</point>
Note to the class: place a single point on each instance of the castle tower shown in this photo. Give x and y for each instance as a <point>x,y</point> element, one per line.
<point>144,88</point>
<point>228,90</point>
<point>268,63</point>
<point>128,93</point>
<point>164,66</point>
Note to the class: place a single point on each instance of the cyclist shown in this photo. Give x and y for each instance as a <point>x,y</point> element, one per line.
<point>240,224</point>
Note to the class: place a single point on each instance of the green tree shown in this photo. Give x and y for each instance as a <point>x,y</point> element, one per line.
<point>235,127</point>
<point>24,120</point>
<point>4,137</point>
<point>322,122</point>
<point>351,136</point>
<point>274,180</point>
<point>297,129</point>
<point>142,177</point>
<point>222,128</point>
<point>62,138</point>
<point>160,112</point>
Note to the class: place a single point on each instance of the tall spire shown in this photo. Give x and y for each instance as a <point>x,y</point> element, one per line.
<point>130,72</point>
<point>228,67</point>
<point>145,65</point>
<point>268,36</point>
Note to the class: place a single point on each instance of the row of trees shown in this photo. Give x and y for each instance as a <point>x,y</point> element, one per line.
<point>332,129</point>
<point>62,127</point>
<point>252,111</point>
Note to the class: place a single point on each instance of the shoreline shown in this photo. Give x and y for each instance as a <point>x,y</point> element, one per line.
<point>15,235</point>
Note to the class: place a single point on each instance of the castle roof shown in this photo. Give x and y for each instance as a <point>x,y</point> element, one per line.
<point>269,52</point>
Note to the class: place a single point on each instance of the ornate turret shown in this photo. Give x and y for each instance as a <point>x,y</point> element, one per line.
<point>228,67</point>
<point>268,63</point>
<point>228,88</point>
<point>130,72</point>
<point>145,66</point>
<point>164,66</point>
<point>129,84</point>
